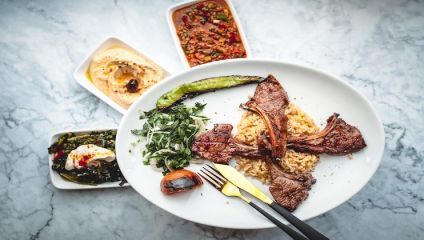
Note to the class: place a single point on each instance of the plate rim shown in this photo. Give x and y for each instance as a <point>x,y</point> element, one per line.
<point>374,112</point>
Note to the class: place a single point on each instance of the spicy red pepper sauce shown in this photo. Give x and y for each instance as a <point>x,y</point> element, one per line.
<point>83,161</point>
<point>208,32</point>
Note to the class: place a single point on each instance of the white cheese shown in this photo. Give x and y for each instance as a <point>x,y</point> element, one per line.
<point>88,155</point>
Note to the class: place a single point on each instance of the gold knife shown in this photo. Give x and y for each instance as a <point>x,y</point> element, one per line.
<point>236,178</point>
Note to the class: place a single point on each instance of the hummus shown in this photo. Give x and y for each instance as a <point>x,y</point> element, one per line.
<point>123,75</point>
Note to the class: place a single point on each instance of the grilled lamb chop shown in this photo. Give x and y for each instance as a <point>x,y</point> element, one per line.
<point>289,190</point>
<point>270,102</point>
<point>219,146</point>
<point>215,144</point>
<point>305,179</point>
<point>288,193</point>
<point>337,138</point>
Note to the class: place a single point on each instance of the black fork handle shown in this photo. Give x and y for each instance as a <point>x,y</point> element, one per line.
<point>292,233</point>
<point>296,222</point>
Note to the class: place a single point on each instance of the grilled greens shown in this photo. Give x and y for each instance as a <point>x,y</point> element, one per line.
<point>93,175</point>
<point>205,85</point>
<point>169,135</point>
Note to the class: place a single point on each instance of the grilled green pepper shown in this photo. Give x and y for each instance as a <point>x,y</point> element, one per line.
<point>205,85</point>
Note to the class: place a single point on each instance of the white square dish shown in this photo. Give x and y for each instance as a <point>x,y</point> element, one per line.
<point>80,74</point>
<point>59,182</point>
<point>177,43</point>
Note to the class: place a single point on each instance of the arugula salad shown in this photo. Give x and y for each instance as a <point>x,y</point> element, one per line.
<point>169,134</point>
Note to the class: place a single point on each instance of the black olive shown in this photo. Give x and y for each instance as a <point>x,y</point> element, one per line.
<point>132,85</point>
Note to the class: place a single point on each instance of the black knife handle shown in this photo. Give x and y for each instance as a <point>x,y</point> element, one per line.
<point>296,222</point>
<point>292,233</point>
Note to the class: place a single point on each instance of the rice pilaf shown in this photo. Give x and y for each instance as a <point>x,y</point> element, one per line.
<point>299,123</point>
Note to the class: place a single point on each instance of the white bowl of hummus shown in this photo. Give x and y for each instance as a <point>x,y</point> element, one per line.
<point>118,74</point>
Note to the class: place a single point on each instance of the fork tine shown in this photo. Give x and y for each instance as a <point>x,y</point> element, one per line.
<point>209,181</point>
<point>217,183</point>
<point>215,170</point>
<point>220,178</point>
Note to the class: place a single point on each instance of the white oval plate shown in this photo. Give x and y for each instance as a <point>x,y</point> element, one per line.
<point>317,93</point>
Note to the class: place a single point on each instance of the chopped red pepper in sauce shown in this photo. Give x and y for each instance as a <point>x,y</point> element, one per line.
<point>59,154</point>
<point>84,160</point>
<point>208,32</point>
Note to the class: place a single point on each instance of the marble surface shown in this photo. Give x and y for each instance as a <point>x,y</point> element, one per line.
<point>375,45</point>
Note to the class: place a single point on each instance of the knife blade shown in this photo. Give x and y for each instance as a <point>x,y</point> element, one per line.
<point>236,178</point>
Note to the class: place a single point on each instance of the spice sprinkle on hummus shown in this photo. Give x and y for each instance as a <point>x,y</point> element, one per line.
<point>123,75</point>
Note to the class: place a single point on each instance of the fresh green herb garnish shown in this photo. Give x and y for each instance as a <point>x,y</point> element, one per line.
<point>222,16</point>
<point>215,53</point>
<point>169,134</point>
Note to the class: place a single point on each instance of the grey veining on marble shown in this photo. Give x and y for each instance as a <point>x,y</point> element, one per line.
<point>376,45</point>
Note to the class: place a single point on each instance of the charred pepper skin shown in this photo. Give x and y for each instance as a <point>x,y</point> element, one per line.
<point>181,180</point>
<point>201,86</point>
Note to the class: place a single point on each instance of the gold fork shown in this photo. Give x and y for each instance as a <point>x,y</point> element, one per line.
<point>218,181</point>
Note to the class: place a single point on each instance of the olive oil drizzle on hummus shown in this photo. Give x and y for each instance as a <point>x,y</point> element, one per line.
<point>123,75</point>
